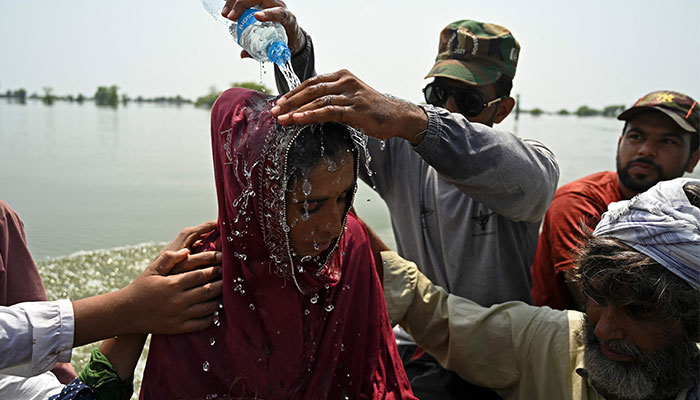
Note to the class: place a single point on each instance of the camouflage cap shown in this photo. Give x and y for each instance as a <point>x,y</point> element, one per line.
<point>682,109</point>
<point>476,53</point>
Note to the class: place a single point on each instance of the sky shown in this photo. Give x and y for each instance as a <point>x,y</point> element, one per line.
<point>593,53</point>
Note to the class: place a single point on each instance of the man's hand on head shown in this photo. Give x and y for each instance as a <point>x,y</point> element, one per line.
<point>342,97</point>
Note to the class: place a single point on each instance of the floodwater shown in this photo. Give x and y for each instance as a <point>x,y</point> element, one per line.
<point>101,189</point>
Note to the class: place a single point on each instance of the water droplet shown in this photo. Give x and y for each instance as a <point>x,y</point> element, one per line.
<point>217,322</point>
<point>205,366</point>
<point>306,187</point>
<point>316,246</point>
<point>229,238</point>
<point>342,347</point>
<point>382,145</point>
<point>216,313</point>
<point>305,259</point>
<point>329,308</point>
<point>221,305</point>
<point>307,312</point>
<point>241,256</point>
<point>212,341</point>
<point>251,306</point>
<point>314,298</point>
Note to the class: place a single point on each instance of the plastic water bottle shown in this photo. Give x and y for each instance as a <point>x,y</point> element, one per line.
<point>264,41</point>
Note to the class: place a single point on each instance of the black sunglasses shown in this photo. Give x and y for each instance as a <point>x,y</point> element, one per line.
<point>469,101</point>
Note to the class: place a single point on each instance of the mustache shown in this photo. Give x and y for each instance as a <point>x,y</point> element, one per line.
<point>623,348</point>
<point>645,160</point>
<point>618,346</point>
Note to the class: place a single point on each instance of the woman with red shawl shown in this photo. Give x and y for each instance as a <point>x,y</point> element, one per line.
<point>303,313</point>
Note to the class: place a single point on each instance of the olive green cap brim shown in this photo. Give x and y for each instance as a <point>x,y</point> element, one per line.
<point>472,73</point>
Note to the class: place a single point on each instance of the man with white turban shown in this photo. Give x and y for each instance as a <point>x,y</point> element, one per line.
<point>638,339</point>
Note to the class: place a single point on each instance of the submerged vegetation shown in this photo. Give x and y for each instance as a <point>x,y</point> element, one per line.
<point>109,96</point>
<point>583,111</point>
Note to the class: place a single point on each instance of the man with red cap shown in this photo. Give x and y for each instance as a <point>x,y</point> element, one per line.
<point>659,142</point>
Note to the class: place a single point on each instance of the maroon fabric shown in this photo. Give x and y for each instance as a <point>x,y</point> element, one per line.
<point>19,278</point>
<point>286,331</point>
<point>583,200</point>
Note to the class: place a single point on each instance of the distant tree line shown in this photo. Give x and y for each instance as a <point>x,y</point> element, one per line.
<point>583,111</point>
<point>108,96</point>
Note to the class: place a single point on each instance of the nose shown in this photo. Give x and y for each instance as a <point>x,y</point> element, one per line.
<point>647,149</point>
<point>332,222</point>
<point>609,324</point>
<point>451,105</point>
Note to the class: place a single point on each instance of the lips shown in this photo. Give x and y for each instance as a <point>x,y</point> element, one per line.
<point>323,246</point>
<point>643,167</point>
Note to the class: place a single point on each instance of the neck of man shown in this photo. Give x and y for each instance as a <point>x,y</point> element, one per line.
<point>625,192</point>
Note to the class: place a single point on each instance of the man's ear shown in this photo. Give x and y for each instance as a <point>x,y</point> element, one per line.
<point>505,106</point>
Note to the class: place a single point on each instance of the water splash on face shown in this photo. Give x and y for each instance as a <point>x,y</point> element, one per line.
<point>306,187</point>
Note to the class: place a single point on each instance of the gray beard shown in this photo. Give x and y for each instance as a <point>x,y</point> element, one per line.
<point>658,375</point>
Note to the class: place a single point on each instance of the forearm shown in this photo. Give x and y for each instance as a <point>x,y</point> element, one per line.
<point>102,316</point>
<point>123,353</point>
<point>514,177</point>
<point>459,333</point>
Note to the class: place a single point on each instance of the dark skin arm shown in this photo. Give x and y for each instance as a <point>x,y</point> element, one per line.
<point>190,297</point>
<point>156,302</point>
<point>342,97</point>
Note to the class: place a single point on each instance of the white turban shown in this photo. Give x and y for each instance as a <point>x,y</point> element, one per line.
<point>662,224</point>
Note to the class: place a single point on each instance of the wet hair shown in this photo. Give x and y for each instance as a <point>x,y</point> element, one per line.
<point>314,144</point>
<point>503,86</point>
<point>614,273</point>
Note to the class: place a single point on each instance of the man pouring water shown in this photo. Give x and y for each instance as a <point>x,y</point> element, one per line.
<point>465,199</point>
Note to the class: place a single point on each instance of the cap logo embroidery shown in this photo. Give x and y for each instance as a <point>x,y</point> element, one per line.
<point>450,44</point>
<point>475,49</point>
<point>665,97</point>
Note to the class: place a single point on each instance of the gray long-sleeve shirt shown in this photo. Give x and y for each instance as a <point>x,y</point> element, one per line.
<point>465,203</point>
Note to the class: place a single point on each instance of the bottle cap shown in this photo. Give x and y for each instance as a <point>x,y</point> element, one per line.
<point>279,53</point>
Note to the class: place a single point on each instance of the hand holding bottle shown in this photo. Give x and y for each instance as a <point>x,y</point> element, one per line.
<point>271,11</point>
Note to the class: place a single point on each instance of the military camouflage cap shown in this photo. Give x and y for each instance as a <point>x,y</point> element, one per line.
<point>682,109</point>
<point>474,52</point>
